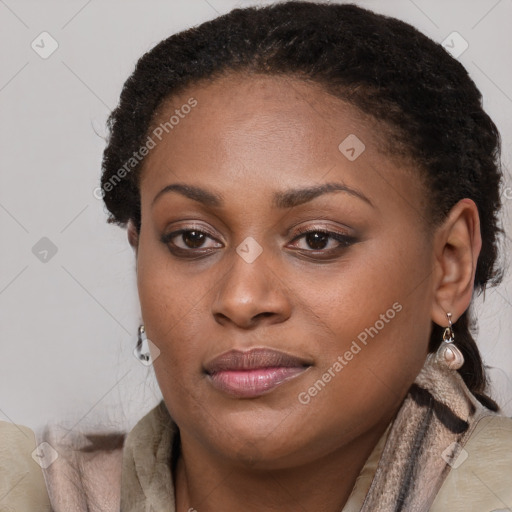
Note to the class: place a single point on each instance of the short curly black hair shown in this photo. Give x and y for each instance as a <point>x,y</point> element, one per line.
<point>381,65</point>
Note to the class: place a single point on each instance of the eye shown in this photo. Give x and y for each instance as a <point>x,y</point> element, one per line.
<point>186,241</point>
<point>323,240</point>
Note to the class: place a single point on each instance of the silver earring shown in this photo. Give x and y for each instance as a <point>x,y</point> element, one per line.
<point>141,351</point>
<point>448,354</point>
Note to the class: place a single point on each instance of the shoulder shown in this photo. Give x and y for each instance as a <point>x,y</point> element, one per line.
<point>480,477</point>
<point>86,473</point>
<point>22,483</point>
<point>492,438</point>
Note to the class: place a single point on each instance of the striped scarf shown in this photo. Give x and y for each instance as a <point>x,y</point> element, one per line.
<point>426,438</point>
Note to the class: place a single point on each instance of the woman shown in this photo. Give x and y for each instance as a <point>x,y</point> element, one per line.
<point>312,195</point>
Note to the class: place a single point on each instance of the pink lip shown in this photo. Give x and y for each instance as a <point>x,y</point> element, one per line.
<point>253,373</point>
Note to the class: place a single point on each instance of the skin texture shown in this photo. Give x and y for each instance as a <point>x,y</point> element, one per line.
<point>248,138</point>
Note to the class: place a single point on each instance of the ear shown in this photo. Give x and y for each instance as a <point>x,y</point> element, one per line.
<point>457,245</point>
<point>133,235</point>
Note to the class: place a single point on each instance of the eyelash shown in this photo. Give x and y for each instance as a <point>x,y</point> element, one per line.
<point>343,240</point>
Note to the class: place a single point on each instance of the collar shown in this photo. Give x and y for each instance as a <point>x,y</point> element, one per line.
<point>147,482</point>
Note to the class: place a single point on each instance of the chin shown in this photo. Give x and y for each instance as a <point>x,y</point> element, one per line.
<point>257,453</point>
<point>257,438</point>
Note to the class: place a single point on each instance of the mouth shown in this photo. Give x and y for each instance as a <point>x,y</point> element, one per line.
<point>254,372</point>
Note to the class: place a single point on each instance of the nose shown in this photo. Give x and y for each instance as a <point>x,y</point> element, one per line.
<point>250,294</point>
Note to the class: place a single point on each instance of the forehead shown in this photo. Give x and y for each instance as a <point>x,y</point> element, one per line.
<point>285,116</point>
<point>273,130</point>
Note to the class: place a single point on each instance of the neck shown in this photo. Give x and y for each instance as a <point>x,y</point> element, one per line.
<point>206,483</point>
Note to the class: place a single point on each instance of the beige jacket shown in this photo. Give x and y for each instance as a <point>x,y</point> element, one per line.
<point>481,483</point>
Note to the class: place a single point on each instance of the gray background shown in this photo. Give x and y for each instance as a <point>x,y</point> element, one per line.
<point>68,323</point>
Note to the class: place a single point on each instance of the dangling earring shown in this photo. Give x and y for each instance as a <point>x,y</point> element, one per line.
<point>448,354</point>
<point>141,351</point>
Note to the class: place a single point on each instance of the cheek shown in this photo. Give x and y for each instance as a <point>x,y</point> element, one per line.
<point>366,290</point>
<point>174,324</point>
<point>166,295</point>
<point>377,313</point>
<point>169,304</point>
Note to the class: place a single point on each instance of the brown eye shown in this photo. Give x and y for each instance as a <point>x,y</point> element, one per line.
<point>317,240</point>
<point>193,239</point>
<point>188,241</point>
<point>322,241</point>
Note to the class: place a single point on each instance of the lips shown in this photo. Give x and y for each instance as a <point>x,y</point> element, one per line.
<point>253,373</point>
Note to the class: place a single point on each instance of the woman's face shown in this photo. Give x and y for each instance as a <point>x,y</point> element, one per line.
<point>279,347</point>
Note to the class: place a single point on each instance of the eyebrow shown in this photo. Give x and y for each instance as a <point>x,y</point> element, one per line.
<point>287,199</point>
